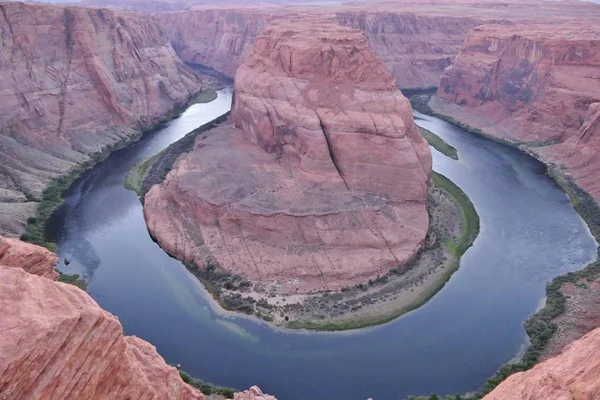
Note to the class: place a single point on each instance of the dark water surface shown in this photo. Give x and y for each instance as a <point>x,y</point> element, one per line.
<point>529,234</point>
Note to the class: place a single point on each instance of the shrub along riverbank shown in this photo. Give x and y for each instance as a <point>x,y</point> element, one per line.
<point>439,144</point>
<point>540,327</point>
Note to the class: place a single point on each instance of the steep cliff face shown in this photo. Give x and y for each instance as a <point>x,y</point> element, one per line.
<point>323,183</point>
<point>532,84</point>
<point>33,259</point>
<point>415,48</point>
<point>57,343</point>
<point>73,81</point>
<point>220,39</point>
<point>572,375</point>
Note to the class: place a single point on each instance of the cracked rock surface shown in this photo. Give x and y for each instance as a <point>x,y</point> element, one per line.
<point>320,180</point>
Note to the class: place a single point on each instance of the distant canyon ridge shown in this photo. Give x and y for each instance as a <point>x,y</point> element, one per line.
<point>77,81</point>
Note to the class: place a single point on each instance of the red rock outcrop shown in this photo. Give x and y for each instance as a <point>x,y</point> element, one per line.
<point>254,393</point>
<point>33,259</point>
<point>324,181</point>
<point>532,84</point>
<point>572,375</point>
<point>73,81</point>
<point>57,343</point>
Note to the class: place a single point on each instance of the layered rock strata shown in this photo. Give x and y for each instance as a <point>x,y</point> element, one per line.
<point>572,375</point>
<point>536,85</point>
<point>74,81</point>
<point>57,343</point>
<point>416,39</point>
<point>321,180</point>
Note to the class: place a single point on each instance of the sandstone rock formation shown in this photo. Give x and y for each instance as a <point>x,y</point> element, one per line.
<point>572,375</point>
<point>33,259</point>
<point>74,81</point>
<point>57,343</point>
<point>415,47</point>
<point>532,84</point>
<point>220,39</point>
<point>323,183</point>
<point>416,39</point>
<point>254,393</point>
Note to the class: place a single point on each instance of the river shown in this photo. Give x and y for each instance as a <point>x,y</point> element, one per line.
<point>529,234</point>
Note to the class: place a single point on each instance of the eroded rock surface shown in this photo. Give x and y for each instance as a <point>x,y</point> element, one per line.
<point>321,181</point>
<point>254,393</point>
<point>57,343</point>
<point>537,85</point>
<point>415,39</point>
<point>572,375</point>
<point>72,82</point>
<point>33,259</point>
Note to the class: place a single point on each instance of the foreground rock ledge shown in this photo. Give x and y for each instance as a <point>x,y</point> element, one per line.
<point>572,375</point>
<point>33,259</point>
<point>320,182</point>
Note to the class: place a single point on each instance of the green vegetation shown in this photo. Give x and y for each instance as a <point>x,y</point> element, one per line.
<point>135,178</point>
<point>439,144</point>
<point>457,247</point>
<point>470,219</point>
<point>207,388</point>
<point>73,280</point>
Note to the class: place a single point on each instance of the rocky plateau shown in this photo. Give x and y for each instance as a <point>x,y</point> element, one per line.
<point>319,181</point>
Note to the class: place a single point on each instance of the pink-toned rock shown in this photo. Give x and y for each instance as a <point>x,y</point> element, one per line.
<point>254,393</point>
<point>572,375</point>
<point>73,81</point>
<point>220,39</point>
<point>535,84</point>
<point>57,343</point>
<point>322,185</point>
<point>33,259</point>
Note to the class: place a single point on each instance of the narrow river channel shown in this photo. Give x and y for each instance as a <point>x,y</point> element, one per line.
<point>529,234</point>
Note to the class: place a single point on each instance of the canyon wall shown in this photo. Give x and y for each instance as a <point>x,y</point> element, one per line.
<point>572,375</point>
<point>74,81</point>
<point>321,181</point>
<point>538,85</point>
<point>220,39</point>
<point>416,39</point>
<point>415,48</point>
